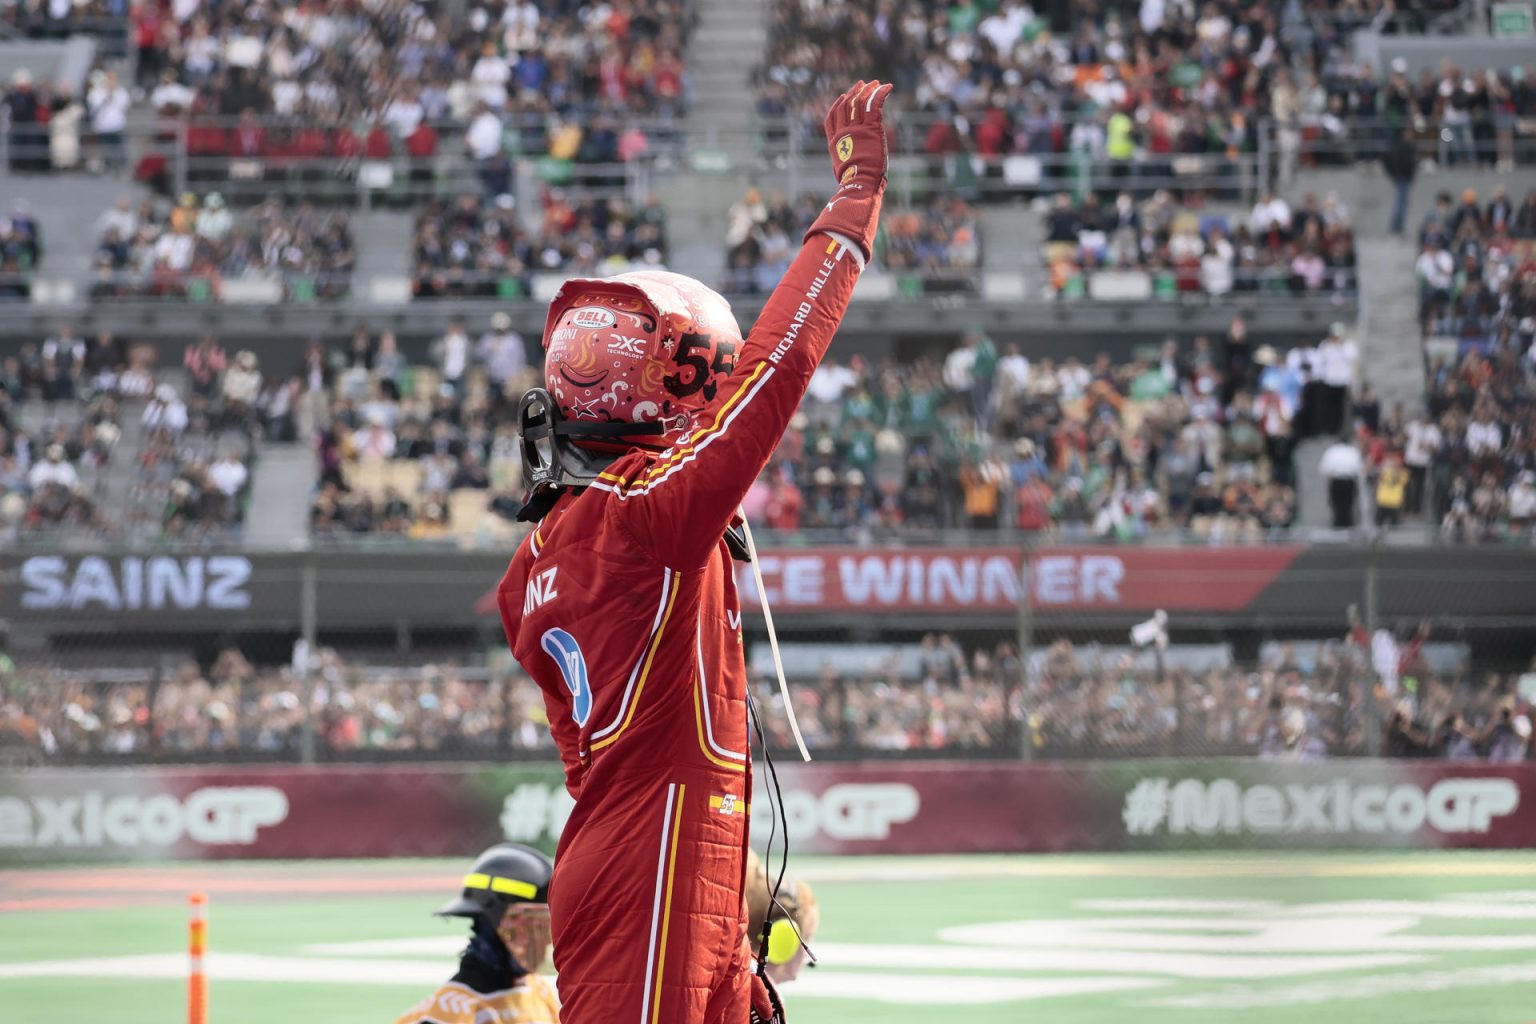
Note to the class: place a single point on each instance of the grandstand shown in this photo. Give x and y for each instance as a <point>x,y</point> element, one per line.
<point>1216,320</point>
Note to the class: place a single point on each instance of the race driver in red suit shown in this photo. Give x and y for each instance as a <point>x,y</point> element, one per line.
<point>622,604</point>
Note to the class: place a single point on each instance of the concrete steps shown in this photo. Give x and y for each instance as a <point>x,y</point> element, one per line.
<point>383,241</point>
<point>726,44</point>
<point>123,467</point>
<point>1391,352</point>
<point>1010,236</point>
<point>69,206</point>
<point>1312,511</point>
<point>279,513</point>
<point>697,206</point>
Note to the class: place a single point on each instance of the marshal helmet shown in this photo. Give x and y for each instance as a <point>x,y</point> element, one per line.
<point>507,873</point>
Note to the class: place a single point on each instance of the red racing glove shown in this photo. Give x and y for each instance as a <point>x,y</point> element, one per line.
<point>766,1006</point>
<point>855,128</point>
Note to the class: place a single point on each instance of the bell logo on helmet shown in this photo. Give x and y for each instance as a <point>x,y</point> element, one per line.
<point>592,318</point>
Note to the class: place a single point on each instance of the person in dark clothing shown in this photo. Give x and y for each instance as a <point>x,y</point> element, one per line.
<point>1405,738</point>
<point>29,139</point>
<point>1401,163</point>
<point>506,898</point>
<point>1366,410</point>
<point>1240,375</point>
<point>1062,222</point>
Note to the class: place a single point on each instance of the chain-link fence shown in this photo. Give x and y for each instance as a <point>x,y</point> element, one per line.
<point>397,654</point>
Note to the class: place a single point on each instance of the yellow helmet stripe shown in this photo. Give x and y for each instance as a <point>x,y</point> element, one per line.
<point>506,886</point>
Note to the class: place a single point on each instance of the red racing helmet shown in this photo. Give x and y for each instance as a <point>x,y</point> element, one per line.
<point>647,347</point>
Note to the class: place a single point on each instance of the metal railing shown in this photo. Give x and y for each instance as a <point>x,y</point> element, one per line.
<point>1169,284</point>
<point>181,151</point>
<point>196,287</point>
<point>795,146</point>
<point>1349,140</point>
<point>283,157</point>
<point>112,35</point>
<point>1131,285</point>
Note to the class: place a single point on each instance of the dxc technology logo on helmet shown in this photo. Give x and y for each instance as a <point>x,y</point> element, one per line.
<point>591,318</point>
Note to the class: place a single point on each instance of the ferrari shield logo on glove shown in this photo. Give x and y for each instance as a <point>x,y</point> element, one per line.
<point>845,147</point>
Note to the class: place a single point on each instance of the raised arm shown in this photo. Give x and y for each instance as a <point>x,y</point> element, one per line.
<point>684,499</point>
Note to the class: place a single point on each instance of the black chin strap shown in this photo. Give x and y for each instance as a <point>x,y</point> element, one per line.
<point>553,463</point>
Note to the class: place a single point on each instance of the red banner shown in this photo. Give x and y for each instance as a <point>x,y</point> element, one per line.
<point>987,579</point>
<point>1228,804</point>
<point>886,808</point>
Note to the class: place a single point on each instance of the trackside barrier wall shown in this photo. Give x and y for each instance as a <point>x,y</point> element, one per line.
<point>48,816</point>
<point>49,593</point>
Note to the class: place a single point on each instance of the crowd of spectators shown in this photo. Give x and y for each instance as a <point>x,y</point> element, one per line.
<point>1153,88</point>
<point>1328,699</point>
<point>42,19</point>
<point>232,709</point>
<point>1275,249</point>
<point>334,62</point>
<point>936,245</point>
<point>272,93</point>
<point>422,451</point>
<point>477,247</point>
<point>266,92</point>
<point>1469,455</point>
<point>1075,701</point>
<point>1476,270</point>
<point>192,474</point>
<point>52,467</point>
<point>195,247</point>
<point>1195,438</point>
<point>1453,117</point>
<point>1475,447</point>
<point>64,403</point>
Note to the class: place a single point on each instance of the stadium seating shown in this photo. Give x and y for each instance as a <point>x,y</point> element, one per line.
<point>1307,700</point>
<point>1164,96</point>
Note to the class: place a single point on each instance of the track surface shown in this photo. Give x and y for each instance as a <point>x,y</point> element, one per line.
<point>1412,939</point>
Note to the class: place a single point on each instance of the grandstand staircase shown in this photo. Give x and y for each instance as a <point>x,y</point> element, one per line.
<point>1012,237</point>
<point>122,471</point>
<point>1312,511</point>
<point>383,242</point>
<point>73,204</point>
<point>1391,355</point>
<point>278,517</point>
<point>727,40</point>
